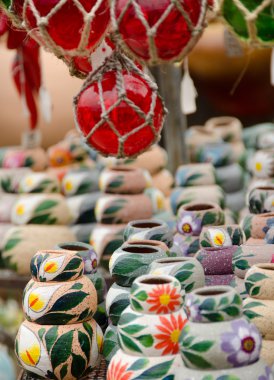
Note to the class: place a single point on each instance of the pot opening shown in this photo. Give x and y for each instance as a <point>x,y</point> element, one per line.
<point>199,207</point>
<point>122,169</point>
<point>155,281</point>
<point>169,261</point>
<point>208,292</point>
<point>152,243</point>
<point>268,215</point>
<point>146,225</point>
<point>142,249</point>
<point>74,248</point>
<point>202,130</point>
<point>265,187</point>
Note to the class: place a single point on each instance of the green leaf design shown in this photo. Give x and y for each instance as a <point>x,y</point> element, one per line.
<point>11,243</point>
<point>146,340</point>
<point>117,182</point>
<point>68,301</point>
<point>255,291</point>
<point>61,350</point>
<point>116,310</point>
<point>155,372</point>
<point>256,277</point>
<point>197,360</point>
<point>85,344</point>
<point>127,318</point>
<point>250,314</point>
<point>133,329</point>
<point>85,314</point>
<point>47,204</point>
<point>183,275</point>
<point>51,337</point>
<point>136,305</point>
<point>205,244</point>
<point>208,304</point>
<point>41,333</point>
<point>192,178</point>
<point>232,311</point>
<point>64,371</point>
<point>115,208</point>
<point>40,219</point>
<point>209,218</point>
<point>189,287</point>
<point>224,301</point>
<point>237,299</point>
<point>128,342</point>
<point>141,296</point>
<point>78,365</point>
<point>77,286</point>
<point>88,329</point>
<point>139,364</point>
<point>242,264</point>
<point>55,318</point>
<point>73,264</point>
<point>252,304</point>
<point>214,317</point>
<point>202,346</point>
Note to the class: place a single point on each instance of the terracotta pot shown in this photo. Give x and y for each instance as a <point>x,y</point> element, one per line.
<point>39,183</point>
<point>259,281</point>
<point>262,165</point>
<point>43,349</point>
<point>256,226</point>
<point>18,157</point>
<point>229,128</point>
<point>195,175</point>
<point>220,279</point>
<point>163,181</point>
<point>216,260</point>
<point>7,202</point>
<point>117,300</point>
<point>188,245</point>
<point>222,236</point>
<point>111,345</point>
<point>153,229</point>
<point>231,177</point>
<point>157,199</point>
<point>56,265</point>
<point>124,180</point>
<point>80,181</point>
<point>61,171</point>
<point>82,207</point>
<point>187,270</point>
<point>11,178</point>
<point>219,154</point>
<point>260,199</point>
<point>193,216</point>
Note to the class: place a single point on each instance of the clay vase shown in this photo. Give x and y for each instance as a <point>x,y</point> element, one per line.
<point>259,305</point>
<point>217,341</point>
<point>155,313</point>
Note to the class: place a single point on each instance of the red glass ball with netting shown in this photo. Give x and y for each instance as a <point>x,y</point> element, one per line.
<point>123,131</point>
<point>67,28</point>
<point>157,31</point>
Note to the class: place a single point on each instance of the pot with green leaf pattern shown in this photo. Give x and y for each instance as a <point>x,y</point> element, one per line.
<point>261,199</point>
<point>117,300</point>
<point>39,183</point>
<point>110,346</point>
<point>222,236</point>
<point>188,271</point>
<point>80,181</point>
<point>257,225</point>
<point>188,245</point>
<point>100,316</point>
<point>259,281</point>
<point>99,283</point>
<point>195,175</point>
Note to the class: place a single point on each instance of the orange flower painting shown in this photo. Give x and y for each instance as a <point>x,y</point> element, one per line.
<point>170,333</point>
<point>163,299</point>
<point>117,371</point>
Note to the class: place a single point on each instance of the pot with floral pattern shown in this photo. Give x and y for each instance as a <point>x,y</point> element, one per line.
<point>262,165</point>
<point>257,225</point>
<point>222,236</point>
<point>261,199</point>
<point>188,271</point>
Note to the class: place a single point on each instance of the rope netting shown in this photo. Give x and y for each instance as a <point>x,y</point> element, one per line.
<point>119,63</point>
<point>250,18</point>
<point>195,29</point>
<point>42,35</point>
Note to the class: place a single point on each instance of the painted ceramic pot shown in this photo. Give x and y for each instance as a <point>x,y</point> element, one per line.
<point>63,352</point>
<point>260,313</point>
<point>157,198</point>
<point>22,242</point>
<point>41,209</point>
<point>85,251</point>
<point>129,262</point>
<point>19,157</point>
<point>262,165</point>
<point>239,284</point>
<point>124,366</point>
<point>80,182</point>
<point>269,237</point>
<point>256,226</point>
<point>114,208</point>
<point>60,303</point>
<point>254,371</point>
<point>7,202</point>
<point>148,230</point>
<point>163,181</point>
<point>82,207</point>
<point>56,265</point>
<point>193,216</point>
<point>181,196</point>
<point>100,316</point>
<point>222,236</point>
<point>220,279</point>
<point>39,183</point>
<point>219,154</point>
<point>197,136</point>
<point>124,180</point>
<point>99,283</point>
<point>111,345</point>
<point>188,245</point>
<point>230,177</point>
<point>216,260</point>
<point>187,270</point>
<point>213,304</point>
<point>195,175</point>
<point>260,199</point>
<point>229,128</point>
<point>10,179</point>
<point>117,300</point>
<point>266,140</point>
<point>248,255</point>
<point>259,281</point>
<point>151,243</point>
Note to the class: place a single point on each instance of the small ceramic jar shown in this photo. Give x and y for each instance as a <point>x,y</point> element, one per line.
<point>222,236</point>
<point>188,245</point>
<point>111,345</point>
<point>151,243</point>
<point>260,312</point>
<point>216,260</point>
<point>230,177</point>
<point>195,175</point>
<point>117,300</point>
<point>262,164</point>
<point>82,207</point>
<point>248,255</point>
<point>197,136</point>
<point>229,128</point>
<point>56,265</point>
<point>258,225</point>
<point>80,181</point>
<point>39,183</point>
<point>85,251</point>
<point>259,281</point>
<point>193,216</point>
<point>129,262</point>
<point>60,303</point>
<point>124,180</point>
<point>128,366</point>
<point>62,352</point>
<point>153,229</point>
<point>219,154</point>
<point>260,199</point>
<point>188,271</point>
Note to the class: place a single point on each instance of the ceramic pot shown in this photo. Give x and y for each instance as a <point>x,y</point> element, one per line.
<point>256,226</point>
<point>269,237</point>
<point>7,202</point>
<point>193,216</point>
<point>101,317</point>
<point>181,196</point>
<point>80,181</point>
<point>68,150</point>
<point>213,304</point>
<point>197,136</point>
<point>195,175</point>
<point>99,283</point>
<point>236,201</point>
<point>188,245</point>
<point>157,199</point>
<point>83,231</point>
<point>41,209</point>
<point>39,183</point>
<point>117,300</point>
<point>18,157</point>
<point>231,177</point>
<point>22,242</point>
<point>220,279</point>
<point>82,207</point>
<point>123,208</point>
<point>259,281</point>
<point>260,313</point>
<point>163,181</point>
<point>148,230</point>
<point>138,367</point>
<point>151,243</point>
<point>252,134</point>
<point>248,255</point>
<point>129,262</point>
<point>111,345</point>
<point>64,351</point>
<point>124,180</point>
<point>216,260</point>
<point>219,154</point>
<point>222,236</point>
<point>85,251</point>
<point>229,128</point>
<point>262,165</point>
<point>260,200</point>
<point>188,271</point>
<point>10,179</point>
<point>267,352</point>
<point>56,265</point>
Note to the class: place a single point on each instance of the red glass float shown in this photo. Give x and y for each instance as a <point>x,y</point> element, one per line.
<point>118,110</point>
<point>67,28</point>
<point>158,31</point>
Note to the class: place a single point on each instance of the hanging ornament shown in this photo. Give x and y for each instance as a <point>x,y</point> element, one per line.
<point>118,110</point>
<point>158,31</point>
<point>251,20</point>
<point>67,27</point>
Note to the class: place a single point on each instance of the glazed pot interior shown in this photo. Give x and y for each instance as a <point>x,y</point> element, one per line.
<point>146,224</point>
<point>121,169</point>
<point>199,207</point>
<point>152,243</point>
<point>171,261</point>
<point>142,250</point>
<point>69,247</point>
<point>155,281</point>
<point>209,292</point>
<point>265,188</point>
